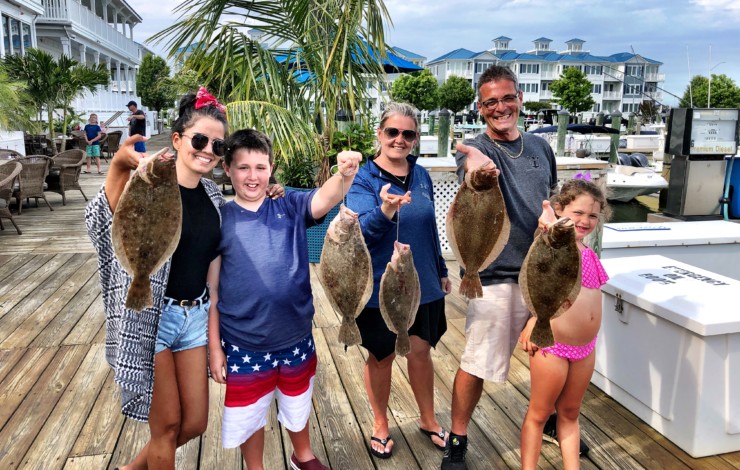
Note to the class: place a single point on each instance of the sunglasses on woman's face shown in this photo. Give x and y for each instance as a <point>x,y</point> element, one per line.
<point>392,133</point>
<point>200,141</point>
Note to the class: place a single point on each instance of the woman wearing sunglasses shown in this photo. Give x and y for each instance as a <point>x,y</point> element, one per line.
<point>374,195</point>
<point>159,355</point>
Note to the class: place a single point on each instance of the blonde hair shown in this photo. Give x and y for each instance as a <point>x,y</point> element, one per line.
<point>401,109</point>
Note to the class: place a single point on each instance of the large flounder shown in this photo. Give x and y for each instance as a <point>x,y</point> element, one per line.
<point>550,278</point>
<point>477,226</point>
<point>400,294</point>
<point>346,271</point>
<point>147,224</point>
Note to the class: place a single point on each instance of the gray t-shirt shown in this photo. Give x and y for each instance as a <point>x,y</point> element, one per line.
<point>525,182</point>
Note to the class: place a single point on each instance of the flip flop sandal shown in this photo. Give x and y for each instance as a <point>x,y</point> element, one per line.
<point>442,434</point>
<point>384,443</point>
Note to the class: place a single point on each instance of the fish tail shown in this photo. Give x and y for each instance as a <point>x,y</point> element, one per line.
<point>470,285</point>
<point>403,345</point>
<point>542,334</point>
<point>349,333</point>
<point>139,294</point>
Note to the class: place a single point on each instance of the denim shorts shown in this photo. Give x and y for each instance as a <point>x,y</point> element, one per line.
<point>140,146</point>
<point>182,328</point>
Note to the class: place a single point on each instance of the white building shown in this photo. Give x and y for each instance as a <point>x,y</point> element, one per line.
<point>621,81</point>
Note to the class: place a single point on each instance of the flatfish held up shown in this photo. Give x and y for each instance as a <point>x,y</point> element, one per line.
<point>346,271</point>
<point>550,278</point>
<point>147,224</point>
<point>477,226</point>
<point>400,294</point>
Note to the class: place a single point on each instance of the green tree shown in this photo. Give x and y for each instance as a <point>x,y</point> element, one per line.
<point>311,62</point>
<point>536,106</point>
<point>54,83</point>
<point>573,91</point>
<point>153,83</point>
<point>418,89</point>
<point>456,94</point>
<point>725,93</point>
<point>15,114</point>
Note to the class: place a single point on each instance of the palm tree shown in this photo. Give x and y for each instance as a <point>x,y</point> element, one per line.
<point>321,55</point>
<point>14,111</point>
<point>54,83</point>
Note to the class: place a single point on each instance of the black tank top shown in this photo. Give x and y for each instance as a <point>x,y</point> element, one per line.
<point>198,245</point>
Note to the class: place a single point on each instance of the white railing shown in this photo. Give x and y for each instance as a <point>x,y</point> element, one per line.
<point>655,77</point>
<point>545,94</point>
<point>103,101</point>
<point>612,95</point>
<point>549,75</point>
<point>656,95</point>
<point>613,75</point>
<point>86,20</point>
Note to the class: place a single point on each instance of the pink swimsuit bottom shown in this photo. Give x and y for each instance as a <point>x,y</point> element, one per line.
<point>569,352</point>
<point>593,276</point>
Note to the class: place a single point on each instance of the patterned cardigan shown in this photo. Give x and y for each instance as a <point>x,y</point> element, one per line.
<point>130,335</point>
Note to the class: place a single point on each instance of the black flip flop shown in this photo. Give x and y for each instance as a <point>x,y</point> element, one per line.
<point>384,443</point>
<point>442,434</point>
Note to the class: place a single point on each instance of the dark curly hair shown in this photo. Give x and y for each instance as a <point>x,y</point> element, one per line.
<point>247,139</point>
<point>573,188</point>
<point>188,114</point>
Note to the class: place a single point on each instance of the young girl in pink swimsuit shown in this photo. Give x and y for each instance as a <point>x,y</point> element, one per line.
<point>561,373</point>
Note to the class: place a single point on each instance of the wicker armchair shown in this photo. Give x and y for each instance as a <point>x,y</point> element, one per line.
<point>9,172</point>
<point>32,179</point>
<point>110,146</point>
<point>64,174</point>
<point>7,154</point>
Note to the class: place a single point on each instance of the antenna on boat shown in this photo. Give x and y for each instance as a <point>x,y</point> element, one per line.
<point>688,64</point>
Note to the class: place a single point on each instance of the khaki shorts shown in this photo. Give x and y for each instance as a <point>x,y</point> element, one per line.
<point>492,331</point>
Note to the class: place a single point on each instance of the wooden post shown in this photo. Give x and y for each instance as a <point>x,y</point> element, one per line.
<point>443,135</point>
<point>616,124</point>
<point>562,130</point>
<point>631,123</point>
<point>600,119</point>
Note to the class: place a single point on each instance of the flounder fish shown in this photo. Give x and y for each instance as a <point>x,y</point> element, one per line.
<point>147,224</point>
<point>477,226</point>
<point>550,279</point>
<point>346,271</point>
<point>400,294</point>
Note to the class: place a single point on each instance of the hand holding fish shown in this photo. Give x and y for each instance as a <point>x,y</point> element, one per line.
<point>390,203</point>
<point>524,337</point>
<point>126,158</point>
<point>548,216</point>
<point>275,191</point>
<point>475,159</point>
<point>348,162</point>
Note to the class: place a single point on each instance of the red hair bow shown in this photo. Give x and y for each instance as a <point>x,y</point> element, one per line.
<point>203,98</point>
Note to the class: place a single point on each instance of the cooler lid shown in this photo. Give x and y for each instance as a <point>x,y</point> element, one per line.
<point>693,298</point>
<point>641,234</point>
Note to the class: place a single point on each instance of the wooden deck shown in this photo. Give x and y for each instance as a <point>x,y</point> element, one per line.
<point>59,407</point>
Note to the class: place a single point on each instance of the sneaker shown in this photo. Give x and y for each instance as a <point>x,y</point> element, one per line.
<point>454,458</point>
<point>312,464</point>
<point>549,434</point>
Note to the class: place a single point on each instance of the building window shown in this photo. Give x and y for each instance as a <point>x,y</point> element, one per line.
<point>566,67</point>
<point>529,68</point>
<point>16,35</point>
<point>596,108</point>
<point>546,86</point>
<point>529,87</point>
<point>596,89</point>
<point>632,89</point>
<point>634,70</point>
<point>593,69</point>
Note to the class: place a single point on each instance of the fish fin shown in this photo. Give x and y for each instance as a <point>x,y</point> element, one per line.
<point>403,344</point>
<point>139,294</point>
<point>542,334</point>
<point>349,333</point>
<point>470,285</point>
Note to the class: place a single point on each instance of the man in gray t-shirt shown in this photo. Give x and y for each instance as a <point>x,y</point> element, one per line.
<point>494,321</point>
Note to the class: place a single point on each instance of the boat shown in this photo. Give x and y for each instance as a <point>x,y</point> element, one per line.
<point>624,183</point>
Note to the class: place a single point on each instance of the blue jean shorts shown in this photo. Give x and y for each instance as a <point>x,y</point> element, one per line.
<point>140,146</point>
<point>182,328</point>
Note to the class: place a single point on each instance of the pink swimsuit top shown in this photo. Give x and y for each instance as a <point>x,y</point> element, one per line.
<point>593,275</point>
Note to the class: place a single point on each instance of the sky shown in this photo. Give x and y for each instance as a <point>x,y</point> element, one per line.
<point>688,37</point>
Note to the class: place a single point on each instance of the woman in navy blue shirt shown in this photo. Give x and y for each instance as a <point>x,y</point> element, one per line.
<point>393,171</point>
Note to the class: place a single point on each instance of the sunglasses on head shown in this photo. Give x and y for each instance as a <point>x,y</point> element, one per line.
<point>200,141</point>
<point>392,133</point>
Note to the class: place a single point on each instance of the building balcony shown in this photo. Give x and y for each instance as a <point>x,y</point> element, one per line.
<point>84,21</point>
<point>656,95</point>
<point>613,76</point>
<point>546,94</point>
<point>611,95</point>
<point>655,77</point>
<point>549,75</point>
<point>467,74</point>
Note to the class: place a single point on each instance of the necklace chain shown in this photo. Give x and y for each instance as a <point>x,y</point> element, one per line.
<point>503,149</point>
<point>403,181</point>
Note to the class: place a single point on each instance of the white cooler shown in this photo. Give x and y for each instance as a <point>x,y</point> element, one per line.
<point>713,245</point>
<point>669,350</point>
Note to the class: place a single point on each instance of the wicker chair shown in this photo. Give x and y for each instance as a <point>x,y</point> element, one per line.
<point>7,154</point>
<point>64,174</point>
<point>32,179</point>
<point>9,172</point>
<point>112,141</point>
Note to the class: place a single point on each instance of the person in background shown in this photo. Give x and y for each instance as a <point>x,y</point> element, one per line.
<point>375,196</point>
<point>137,125</point>
<point>93,134</point>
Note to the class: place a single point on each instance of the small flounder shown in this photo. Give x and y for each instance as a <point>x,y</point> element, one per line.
<point>400,294</point>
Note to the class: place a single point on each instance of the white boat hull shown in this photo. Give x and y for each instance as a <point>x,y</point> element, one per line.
<point>624,183</point>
